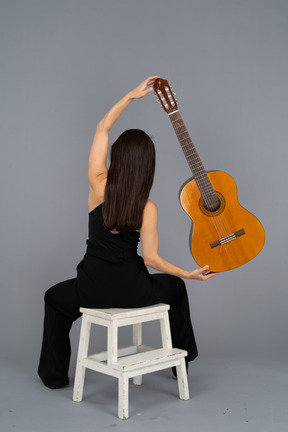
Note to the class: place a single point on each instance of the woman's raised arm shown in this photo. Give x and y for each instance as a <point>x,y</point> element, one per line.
<point>97,167</point>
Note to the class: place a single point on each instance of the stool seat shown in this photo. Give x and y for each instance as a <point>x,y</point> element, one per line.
<point>132,361</point>
<point>121,313</point>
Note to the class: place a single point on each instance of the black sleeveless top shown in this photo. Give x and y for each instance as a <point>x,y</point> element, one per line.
<point>106,245</point>
<point>111,269</point>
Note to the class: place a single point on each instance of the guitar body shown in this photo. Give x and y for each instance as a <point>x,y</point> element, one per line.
<point>227,237</point>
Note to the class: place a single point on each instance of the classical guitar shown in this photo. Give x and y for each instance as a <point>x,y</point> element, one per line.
<point>225,235</point>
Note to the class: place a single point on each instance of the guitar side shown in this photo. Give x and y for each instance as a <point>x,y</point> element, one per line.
<point>228,237</point>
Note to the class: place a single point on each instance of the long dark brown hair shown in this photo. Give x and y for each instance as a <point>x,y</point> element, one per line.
<point>130,178</point>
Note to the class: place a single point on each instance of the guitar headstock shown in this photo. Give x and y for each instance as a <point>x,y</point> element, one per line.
<point>165,95</point>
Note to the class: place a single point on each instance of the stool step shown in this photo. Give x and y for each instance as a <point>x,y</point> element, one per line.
<point>148,358</point>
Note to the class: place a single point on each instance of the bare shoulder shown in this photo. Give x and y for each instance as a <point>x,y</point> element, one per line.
<point>150,207</point>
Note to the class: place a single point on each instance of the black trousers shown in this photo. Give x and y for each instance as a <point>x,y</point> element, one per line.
<point>62,303</point>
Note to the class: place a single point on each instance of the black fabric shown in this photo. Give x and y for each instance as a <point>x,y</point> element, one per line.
<point>111,274</point>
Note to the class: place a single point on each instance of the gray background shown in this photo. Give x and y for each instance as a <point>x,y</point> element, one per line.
<point>63,64</point>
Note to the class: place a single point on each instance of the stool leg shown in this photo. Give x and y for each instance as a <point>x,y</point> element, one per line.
<point>165,331</point>
<point>123,396</point>
<point>112,342</point>
<point>82,353</point>
<point>137,340</point>
<point>182,380</point>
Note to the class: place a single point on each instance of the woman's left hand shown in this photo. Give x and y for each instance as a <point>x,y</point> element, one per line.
<point>143,88</point>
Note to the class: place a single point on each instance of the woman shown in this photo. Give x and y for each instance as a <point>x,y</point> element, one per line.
<point>111,273</point>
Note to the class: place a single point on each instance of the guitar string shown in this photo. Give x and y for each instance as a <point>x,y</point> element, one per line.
<point>218,220</point>
<point>204,188</point>
<point>202,184</point>
<point>218,223</point>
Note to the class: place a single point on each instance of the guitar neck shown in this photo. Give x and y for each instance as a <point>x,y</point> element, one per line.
<point>191,155</point>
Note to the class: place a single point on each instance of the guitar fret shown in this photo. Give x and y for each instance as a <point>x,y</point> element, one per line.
<point>191,155</point>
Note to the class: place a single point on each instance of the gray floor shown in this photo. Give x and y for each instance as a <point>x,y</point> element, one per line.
<point>226,395</point>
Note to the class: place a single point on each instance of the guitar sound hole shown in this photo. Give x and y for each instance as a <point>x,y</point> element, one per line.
<point>213,205</point>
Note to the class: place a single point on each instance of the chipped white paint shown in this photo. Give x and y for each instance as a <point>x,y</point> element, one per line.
<point>128,362</point>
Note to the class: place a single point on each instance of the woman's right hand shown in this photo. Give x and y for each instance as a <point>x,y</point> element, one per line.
<point>143,88</point>
<point>200,274</point>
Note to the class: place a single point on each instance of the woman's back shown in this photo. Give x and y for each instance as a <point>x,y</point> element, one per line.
<point>104,238</point>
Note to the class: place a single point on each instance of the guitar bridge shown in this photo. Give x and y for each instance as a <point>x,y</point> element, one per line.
<point>227,238</point>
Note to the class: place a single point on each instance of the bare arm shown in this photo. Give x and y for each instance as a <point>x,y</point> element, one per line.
<point>97,167</point>
<point>150,243</point>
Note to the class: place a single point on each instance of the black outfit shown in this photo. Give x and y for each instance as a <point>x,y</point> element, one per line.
<point>111,275</point>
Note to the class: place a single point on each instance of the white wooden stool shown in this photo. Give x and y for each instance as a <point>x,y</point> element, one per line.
<point>132,361</point>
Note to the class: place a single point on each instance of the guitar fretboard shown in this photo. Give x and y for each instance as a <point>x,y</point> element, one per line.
<point>192,156</point>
